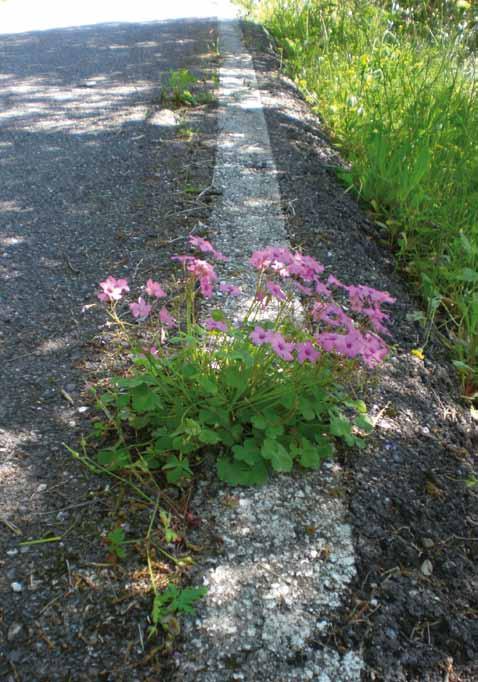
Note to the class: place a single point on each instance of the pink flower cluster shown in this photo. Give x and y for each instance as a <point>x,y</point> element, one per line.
<point>341,335</point>
<point>215,325</point>
<point>366,301</point>
<point>284,349</point>
<point>113,289</point>
<point>335,330</point>
<point>202,271</point>
<point>281,261</point>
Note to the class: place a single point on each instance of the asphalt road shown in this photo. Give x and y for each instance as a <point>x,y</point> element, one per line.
<point>85,168</point>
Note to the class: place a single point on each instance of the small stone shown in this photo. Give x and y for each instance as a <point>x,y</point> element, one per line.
<point>15,656</point>
<point>42,487</point>
<point>13,631</point>
<point>82,409</point>
<point>16,587</point>
<point>427,567</point>
<point>12,552</point>
<point>428,543</point>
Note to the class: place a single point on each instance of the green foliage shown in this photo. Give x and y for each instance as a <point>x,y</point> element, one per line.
<point>238,401</point>
<point>179,89</point>
<point>116,540</point>
<point>395,85</point>
<point>173,601</point>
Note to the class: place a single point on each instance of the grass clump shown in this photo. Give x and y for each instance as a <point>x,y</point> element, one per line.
<point>395,85</point>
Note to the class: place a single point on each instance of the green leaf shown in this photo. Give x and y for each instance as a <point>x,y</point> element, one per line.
<point>191,427</point>
<point>236,431</point>
<point>357,405</point>
<point>163,443</point>
<point>183,602</point>
<point>466,275</point>
<point>324,446</point>
<point>274,430</point>
<point>306,409</point>
<point>288,400</point>
<point>462,366</point>
<point>280,458</point>
<point>259,422</point>
<point>236,377</point>
<point>248,452</point>
<point>309,455</point>
<point>189,370</point>
<point>207,384</point>
<point>235,472</point>
<point>144,400</point>
<point>207,417</point>
<point>115,539</point>
<point>340,427</point>
<point>218,315</point>
<point>175,600</point>
<point>134,382</point>
<point>209,437</point>
<point>363,423</point>
<point>242,355</point>
<point>114,458</point>
<point>177,469</point>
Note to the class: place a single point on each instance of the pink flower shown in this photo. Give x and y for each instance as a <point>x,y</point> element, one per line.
<point>154,289</point>
<point>371,348</point>
<point>206,247</point>
<point>260,336</point>
<point>332,315</point>
<point>201,268</point>
<point>281,347</point>
<point>273,258</point>
<point>322,290</point>
<point>276,291</point>
<point>154,351</point>
<point>334,281</point>
<point>141,309</point>
<point>374,351</point>
<point>166,319</point>
<point>306,291</point>
<point>360,294</point>
<point>205,285</point>
<point>349,345</point>
<point>229,289</point>
<point>113,289</point>
<point>201,244</point>
<point>305,267</point>
<point>307,352</point>
<point>215,325</point>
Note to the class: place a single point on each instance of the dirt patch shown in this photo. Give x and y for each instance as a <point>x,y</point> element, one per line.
<point>414,513</point>
<point>109,188</point>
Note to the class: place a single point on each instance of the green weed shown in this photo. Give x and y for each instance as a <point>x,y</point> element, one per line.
<point>180,90</point>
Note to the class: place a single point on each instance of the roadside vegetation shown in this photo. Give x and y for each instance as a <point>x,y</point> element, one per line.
<point>268,393</point>
<point>395,85</point>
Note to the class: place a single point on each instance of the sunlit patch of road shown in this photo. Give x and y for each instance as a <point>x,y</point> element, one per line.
<point>18,16</point>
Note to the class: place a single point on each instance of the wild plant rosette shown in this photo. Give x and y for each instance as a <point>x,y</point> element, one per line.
<point>262,393</point>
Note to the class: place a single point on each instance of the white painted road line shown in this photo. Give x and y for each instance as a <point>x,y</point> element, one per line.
<point>272,586</point>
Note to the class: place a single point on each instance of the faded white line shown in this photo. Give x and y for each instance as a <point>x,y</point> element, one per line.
<point>273,585</point>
